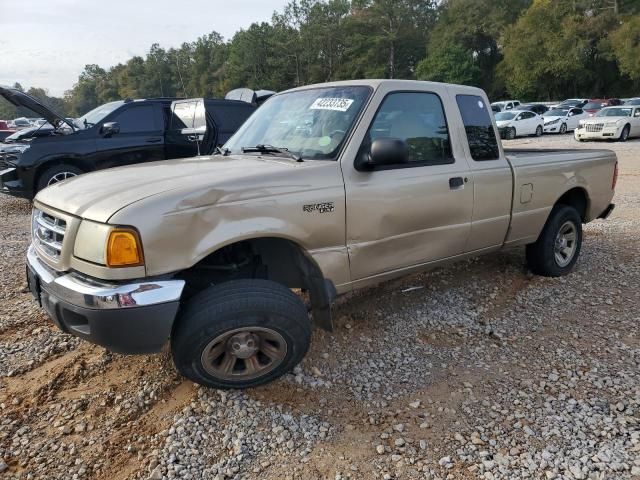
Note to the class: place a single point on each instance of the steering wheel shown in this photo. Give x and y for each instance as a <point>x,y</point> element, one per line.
<point>336,132</point>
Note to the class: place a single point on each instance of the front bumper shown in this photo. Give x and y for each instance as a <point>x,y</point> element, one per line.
<point>134,317</point>
<point>11,184</point>
<point>552,128</point>
<point>607,133</point>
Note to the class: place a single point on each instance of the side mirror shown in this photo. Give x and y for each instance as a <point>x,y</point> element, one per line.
<point>109,129</point>
<point>387,151</point>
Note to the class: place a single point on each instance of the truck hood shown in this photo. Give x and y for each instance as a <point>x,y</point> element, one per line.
<point>21,99</point>
<point>98,196</point>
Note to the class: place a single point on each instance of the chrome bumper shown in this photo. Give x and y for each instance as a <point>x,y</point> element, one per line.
<point>84,292</point>
<point>134,317</point>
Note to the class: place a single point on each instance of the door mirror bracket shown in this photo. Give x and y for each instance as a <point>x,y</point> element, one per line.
<point>384,152</point>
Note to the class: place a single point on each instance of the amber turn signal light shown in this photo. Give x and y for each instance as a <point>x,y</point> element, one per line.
<point>124,248</point>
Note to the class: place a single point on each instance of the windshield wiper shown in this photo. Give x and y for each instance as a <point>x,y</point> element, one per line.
<point>271,149</point>
<point>221,151</point>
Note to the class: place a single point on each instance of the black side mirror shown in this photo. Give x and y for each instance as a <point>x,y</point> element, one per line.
<point>109,129</point>
<point>386,151</point>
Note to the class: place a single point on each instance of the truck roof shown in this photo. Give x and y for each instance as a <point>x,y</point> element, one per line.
<point>392,83</point>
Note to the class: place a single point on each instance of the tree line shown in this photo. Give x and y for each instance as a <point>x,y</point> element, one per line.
<point>526,49</point>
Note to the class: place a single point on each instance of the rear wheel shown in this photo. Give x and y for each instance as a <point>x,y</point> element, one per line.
<point>624,136</point>
<point>557,249</point>
<point>539,131</point>
<point>563,128</point>
<point>241,334</point>
<point>56,174</point>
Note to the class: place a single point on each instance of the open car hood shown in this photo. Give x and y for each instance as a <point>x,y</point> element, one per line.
<point>21,99</point>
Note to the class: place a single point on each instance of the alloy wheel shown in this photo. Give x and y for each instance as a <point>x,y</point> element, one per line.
<point>565,244</point>
<point>59,177</point>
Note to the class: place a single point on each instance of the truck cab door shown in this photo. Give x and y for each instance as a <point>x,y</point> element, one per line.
<point>410,214</point>
<point>492,180</point>
<point>139,136</point>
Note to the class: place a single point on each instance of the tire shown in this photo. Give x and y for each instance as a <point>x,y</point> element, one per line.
<point>548,256</point>
<point>56,174</point>
<point>563,129</point>
<point>539,131</point>
<point>624,135</point>
<point>233,324</point>
<point>511,133</point>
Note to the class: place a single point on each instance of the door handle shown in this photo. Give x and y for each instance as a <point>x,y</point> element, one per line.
<point>457,183</point>
<point>154,140</point>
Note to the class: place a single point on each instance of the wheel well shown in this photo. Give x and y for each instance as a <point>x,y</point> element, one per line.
<point>271,258</point>
<point>578,199</point>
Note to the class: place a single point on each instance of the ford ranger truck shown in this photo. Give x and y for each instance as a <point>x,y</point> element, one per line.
<point>324,190</point>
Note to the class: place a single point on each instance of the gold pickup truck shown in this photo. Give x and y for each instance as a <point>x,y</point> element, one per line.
<point>325,189</point>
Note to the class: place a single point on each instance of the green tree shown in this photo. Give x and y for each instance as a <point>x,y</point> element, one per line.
<point>540,62</point>
<point>450,64</point>
<point>625,44</point>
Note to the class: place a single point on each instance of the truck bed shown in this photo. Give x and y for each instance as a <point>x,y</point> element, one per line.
<point>583,153</point>
<point>540,175</point>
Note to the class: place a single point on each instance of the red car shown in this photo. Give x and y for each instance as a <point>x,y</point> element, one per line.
<point>597,104</point>
<point>5,131</point>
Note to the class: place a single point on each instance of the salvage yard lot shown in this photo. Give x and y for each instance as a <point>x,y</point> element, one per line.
<point>478,370</point>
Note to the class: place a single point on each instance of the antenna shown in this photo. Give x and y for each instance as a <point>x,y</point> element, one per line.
<point>180,75</point>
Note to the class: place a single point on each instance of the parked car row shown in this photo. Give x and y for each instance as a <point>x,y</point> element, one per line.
<point>515,119</point>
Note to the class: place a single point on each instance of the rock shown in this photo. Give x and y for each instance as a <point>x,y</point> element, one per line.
<point>380,449</point>
<point>576,471</point>
<point>415,404</point>
<point>156,474</point>
<point>444,461</point>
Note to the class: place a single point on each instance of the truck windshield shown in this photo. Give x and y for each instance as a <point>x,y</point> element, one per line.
<point>97,114</point>
<point>614,112</point>
<point>311,124</point>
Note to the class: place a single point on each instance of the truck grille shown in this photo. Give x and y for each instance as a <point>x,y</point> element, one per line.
<point>595,127</point>
<point>7,160</point>
<point>48,233</point>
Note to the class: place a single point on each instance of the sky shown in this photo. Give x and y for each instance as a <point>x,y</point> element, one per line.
<point>47,43</point>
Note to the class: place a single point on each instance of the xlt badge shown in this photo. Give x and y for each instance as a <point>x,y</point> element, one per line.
<point>325,207</point>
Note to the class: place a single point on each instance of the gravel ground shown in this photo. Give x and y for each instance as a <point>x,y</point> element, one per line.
<point>475,371</point>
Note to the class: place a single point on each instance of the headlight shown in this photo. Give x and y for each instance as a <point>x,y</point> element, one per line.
<point>108,245</point>
<point>18,148</point>
<point>552,122</point>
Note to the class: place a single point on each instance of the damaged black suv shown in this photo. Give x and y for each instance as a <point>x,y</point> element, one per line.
<point>114,134</point>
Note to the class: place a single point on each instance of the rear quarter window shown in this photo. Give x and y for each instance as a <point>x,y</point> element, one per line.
<point>478,126</point>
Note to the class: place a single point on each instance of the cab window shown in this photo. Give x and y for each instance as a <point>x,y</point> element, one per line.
<point>478,126</point>
<point>418,119</point>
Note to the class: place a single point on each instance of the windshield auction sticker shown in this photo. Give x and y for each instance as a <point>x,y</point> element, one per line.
<point>337,104</point>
